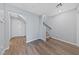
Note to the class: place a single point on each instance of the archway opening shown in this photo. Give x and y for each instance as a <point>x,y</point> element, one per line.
<point>17,27</point>
<point>17,36</point>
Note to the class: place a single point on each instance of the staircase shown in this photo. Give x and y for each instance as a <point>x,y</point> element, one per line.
<point>48,28</point>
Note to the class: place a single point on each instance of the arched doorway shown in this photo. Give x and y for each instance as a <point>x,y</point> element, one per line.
<point>18,35</point>
<point>17,27</point>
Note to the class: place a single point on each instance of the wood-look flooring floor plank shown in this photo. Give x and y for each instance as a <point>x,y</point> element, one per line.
<point>49,47</point>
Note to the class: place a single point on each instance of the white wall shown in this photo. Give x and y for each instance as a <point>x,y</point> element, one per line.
<point>32,26</point>
<point>64,26</point>
<point>2,40</point>
<point>2,33</point>
<point>42,28</point>
<point>77,28</point>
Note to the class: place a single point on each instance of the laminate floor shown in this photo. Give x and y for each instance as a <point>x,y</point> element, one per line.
<point>49,47</point>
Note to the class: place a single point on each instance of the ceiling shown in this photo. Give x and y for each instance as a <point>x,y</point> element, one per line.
<point>48,9</point>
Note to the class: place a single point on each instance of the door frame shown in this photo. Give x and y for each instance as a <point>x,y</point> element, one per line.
<point>10,28</point>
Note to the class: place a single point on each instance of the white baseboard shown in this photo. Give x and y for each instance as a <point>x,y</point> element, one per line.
<point>66,41</point>
<point>31,40</point>
<point>4,50</point>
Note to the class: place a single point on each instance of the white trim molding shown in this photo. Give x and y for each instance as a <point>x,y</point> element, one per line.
<point>66,41</point>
